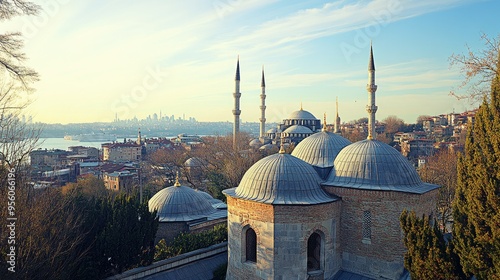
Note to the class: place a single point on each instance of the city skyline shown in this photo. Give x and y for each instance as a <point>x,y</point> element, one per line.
<point>100,60</point>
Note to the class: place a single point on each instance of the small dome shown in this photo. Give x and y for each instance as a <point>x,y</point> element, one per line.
<point>180,204</point>
<point>301,115</point>
<point>194,162</point>
<point>272,130</point>
<point>374,165</point>
<point>281,179</point>
<point>298,129</point>
<point>255,143</point>
<point>266,147</point>
<point>209,198</point>
<point>320,149</point>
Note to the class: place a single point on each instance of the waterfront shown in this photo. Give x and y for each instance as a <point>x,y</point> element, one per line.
<point>62,144</point>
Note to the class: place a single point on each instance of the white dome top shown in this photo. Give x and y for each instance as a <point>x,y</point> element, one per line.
<point>281,179</point>
<point>374,165</point>
<point>180,204</point>
<point>298,129</point>
<point>194,162</point>
<point>320,149</point>
<point>301,115</point>
<point>255,143</point>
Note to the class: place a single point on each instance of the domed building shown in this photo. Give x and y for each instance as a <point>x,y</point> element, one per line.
<point>284,222</point>
<point>182,209</point>
<point>279,217</point>
<point>299,125</point>
<point>320,150</point>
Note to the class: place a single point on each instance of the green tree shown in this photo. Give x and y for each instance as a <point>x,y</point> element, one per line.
<point>476,209</point>
<point>428,255</point>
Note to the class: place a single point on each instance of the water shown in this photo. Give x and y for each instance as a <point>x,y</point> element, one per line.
<point>60,143</point>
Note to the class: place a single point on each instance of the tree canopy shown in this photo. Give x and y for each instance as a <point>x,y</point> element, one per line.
<point>476,209</point>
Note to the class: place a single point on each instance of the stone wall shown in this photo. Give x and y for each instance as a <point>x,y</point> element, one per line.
<point>241,215</point>
<point>170,230</point>
<point>282,235</point>
<point>381,255</point>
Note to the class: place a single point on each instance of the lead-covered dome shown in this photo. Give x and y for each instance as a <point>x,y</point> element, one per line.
<point>180,204</point>
<point>294,129</point>
<point>281,179</point>
<point>321,148</point>
<point>373,165</point>
<point>301,115</point>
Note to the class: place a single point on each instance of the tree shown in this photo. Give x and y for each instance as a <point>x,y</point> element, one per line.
<point>478,69</point>
<point>476,209</point>
<point>393,124</point>
<point>441,169</point>
<point>428,255</point>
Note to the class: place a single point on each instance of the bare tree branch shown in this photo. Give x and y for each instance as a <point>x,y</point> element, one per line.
<point>478,69</point>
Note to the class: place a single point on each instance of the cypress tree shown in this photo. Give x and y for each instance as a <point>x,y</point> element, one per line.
<point>428,255</point>
<point>476,209</point>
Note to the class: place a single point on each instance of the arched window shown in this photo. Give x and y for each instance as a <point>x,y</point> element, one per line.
<point>314,252</point>
<point>251,245</point>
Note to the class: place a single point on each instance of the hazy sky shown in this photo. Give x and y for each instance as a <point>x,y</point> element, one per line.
<point>97,59</point>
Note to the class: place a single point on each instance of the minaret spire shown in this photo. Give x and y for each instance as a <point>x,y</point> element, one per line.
<point>337,118</point>
<point>139,138</point>
<point>371,108</point>
<point>236,111</point>
<point>262,106</point>
<point>324,122</point>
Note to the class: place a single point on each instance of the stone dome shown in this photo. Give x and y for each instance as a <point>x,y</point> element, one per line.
<point>255,143</point>
<point>281,179</point>
<point>301,115</point>
<point>298,129</point>
<point>374,165</point>
<point>272,130</point>
<point>320,149</point>
<point>180,204</point>
<point>194,162</point>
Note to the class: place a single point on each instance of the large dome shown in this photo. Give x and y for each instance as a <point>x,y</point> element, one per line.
<point>281,179</point>
<point>298,129</point>
<point>301,115</point>
<point>320,149</point>
<point>373,165</point>
<point>180,204</point>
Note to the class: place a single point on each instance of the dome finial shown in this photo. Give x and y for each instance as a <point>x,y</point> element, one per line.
<point>301,106</point>
<point>324,122</point>
<point>282,145</point>
<point>177,184</point>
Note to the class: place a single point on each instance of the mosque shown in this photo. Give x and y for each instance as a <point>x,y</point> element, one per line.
<point>329,210</point>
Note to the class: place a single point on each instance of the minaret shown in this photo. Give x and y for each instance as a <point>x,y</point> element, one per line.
<point>139,139</point>
<point>371,88</point>
<point>324,129</point>
<point>337,118</point>
<point>236,111</point>
<point>262,106</point>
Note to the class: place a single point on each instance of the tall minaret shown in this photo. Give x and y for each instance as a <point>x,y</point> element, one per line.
<point>139,138</point>
<point>236,111</point>
<point>262,106</point>
<point>337,118</point>
<point>371,88</point>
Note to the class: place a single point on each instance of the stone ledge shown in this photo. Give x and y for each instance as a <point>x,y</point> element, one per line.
<point>163,265</point>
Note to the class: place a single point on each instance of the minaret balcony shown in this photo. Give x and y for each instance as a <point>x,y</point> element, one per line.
<point>236,112</point>
<point>371,109</point>
<point>371,87</point>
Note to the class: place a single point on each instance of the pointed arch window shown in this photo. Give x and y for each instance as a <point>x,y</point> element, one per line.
<point>251,245</point>
<point>314,252</point>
